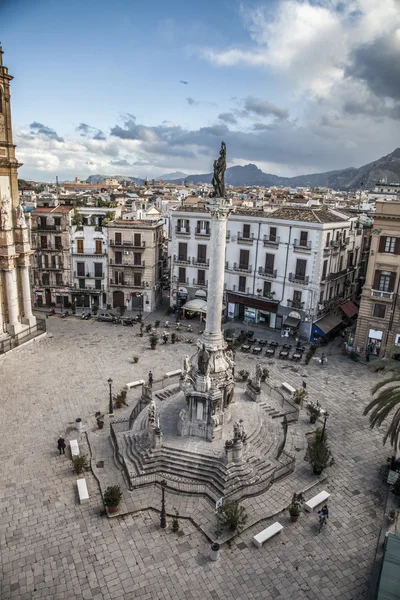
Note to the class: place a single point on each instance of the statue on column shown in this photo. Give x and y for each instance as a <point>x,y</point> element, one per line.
<point>152,413</point>
<point>21,222</point>
<point>203,361</point>
<point>5,209</point>
<point>218,181</point>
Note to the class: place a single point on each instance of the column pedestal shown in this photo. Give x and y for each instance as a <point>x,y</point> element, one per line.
<point>28,318</point>
<point>13,326</point>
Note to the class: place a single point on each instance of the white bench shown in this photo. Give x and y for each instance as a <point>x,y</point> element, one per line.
<point>134,384</point>
<point>288,387</point>
<point>74,448</point>
<point>82,491</point>
<point>314,502</point>
<point>173,373</point>
<point>267,534</point>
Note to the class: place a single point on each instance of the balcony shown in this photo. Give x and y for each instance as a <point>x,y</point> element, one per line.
<point>240,289</point>
<point>181,260</point>
<point>50,247</point>
<point>268,273</point>
<point>295,304</point>
<point>296,278</point>
<point>126,263</point>
<point>327,250</point>
<point>245,240</point>
<point>201,284</point>
<point>40,227</point>
<point>302,245</point>
<point>242,268</point>
<point>127,243</point>
<point>182,230</point>
<point>183,281</point>
<point>202,233</point>
<point>228,235</point>
<point>271,240</point>
<point>382,295</point>
<point>127,285</point>
<point>342,273</point>
<point>88,252</point>
<point>88,288</point>
<point>203,263</point>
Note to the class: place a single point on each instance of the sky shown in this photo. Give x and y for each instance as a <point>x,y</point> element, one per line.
<point>144,88</point>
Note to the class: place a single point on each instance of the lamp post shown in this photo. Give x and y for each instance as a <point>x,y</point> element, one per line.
<point>326,415</point>
<point>110,404</point>
<point>163,515</point>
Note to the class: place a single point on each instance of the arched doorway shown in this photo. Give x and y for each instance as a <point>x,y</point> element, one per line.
<point>118,299</point>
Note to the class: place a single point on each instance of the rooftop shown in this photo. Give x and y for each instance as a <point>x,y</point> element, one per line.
<point>54,209</point>
<point>286,213</point>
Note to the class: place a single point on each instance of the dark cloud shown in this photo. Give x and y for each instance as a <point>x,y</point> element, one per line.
<point>120,163</point>
<point>36,127</point>
<point>227,117</point>
<point>130,131</point>
<point>88,131</point>
<point>262,108</point>
<point>378,65</point>
<point>376,108</point>
<point>184,82</point>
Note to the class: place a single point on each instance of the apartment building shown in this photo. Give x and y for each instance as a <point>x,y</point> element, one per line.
<point>135,257</point>
<point>378,324</point>
<point>291,269</point>
<point>50,241</point>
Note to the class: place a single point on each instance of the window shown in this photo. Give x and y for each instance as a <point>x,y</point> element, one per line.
<point>267,288</point>
<point>201,277</point>
<point>80,246</point>
<point>389,244</point>
<point>269,263</point>
<point>301,266</point>
<point>43,241</point>
<point>242,284</point>
<point>98,269</point>
<point>53,262</point>
<point>338,236</point>
<point>81,284</point>
<point>45,261</point>
<point>244,259</point>
<point>42,222</point>
<point>303,238</point>
<point>97,284</point>
<point>182,275</point>
<point>119,277</point>
<point>379,311</point>
<point>324,269</point>
<point>272,234</point>
<point>99,247</point>
<point>137,258</point>
<point>384,281</point>
<point>297,297</point>
<point>137,240</point>
<point>350,260</point>
<point>182,251</point>
<point>118,238</point>
<point>118,257</point>
<point>57,221</point>
<point>46,279</point>
<point>246,232</point>
<point>137,280</point>
<point>330,292</point>
<point>59,280</point>
<point>202,253</point>
<point>341,263</point>
<point>57,242</point>
<point>80,269</point>
<point>328,239</point>
<point>203,227</point>
<point>337,289</point>
<point>321,297</point>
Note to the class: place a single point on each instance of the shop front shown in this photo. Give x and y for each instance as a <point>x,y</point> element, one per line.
<point>252,309</point>
<point>374,341</point>
<point>326,328</point>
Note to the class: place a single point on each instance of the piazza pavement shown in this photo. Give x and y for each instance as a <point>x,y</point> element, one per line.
<point>52,547</point>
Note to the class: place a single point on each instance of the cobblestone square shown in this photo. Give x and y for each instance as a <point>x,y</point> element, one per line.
<point>53,547</point>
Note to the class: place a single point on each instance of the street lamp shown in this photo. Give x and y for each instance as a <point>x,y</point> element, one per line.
<point>326,415</point>
<point>110,404</point>
<point>163,515</point>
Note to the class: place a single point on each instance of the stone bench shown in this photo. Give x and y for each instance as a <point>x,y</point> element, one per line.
<point>173,373</point>
<point>267,534</point>
<point>289,388</point>
<point>134,384</point>
<point>74,448</point>
<point>316,501</point>
<point>82,491</point>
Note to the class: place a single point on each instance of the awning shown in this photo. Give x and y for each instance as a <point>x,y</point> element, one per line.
<point>195,305</point>
<point>326,324</point>
<point>291,322</point>
<point>264,304</point>
<point>200,294</point>
<point>349,309</point>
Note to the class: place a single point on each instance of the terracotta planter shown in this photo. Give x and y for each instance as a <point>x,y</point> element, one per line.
<point>317,471</point>
<point>100,424</point>
<point>313,419</point>
<point>112,509</point>
<point>294,518</point>
<point>135,360</point>
<point>153,347</point>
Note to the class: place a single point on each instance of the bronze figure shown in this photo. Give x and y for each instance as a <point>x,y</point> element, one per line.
<point>218,181</point>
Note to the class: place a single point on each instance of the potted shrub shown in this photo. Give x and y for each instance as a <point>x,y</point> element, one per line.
<point>244,374</point>
<point>173,337</point>
<point>314,411</point>
<point>80,463</point>
<point>149,327</point>
<point>100,419</point>
<point>299,396</point>
<point>232,515</point>
<point>135,359</point>
<point>112,497</point>
<point>139,317</point>
<point>319,453</point>
<point>310,353</point>
<point>120,399</point>
<point>153,341</point>
<point>175,522</point>
<point>295,506</point>
<point>141,329</point>
<point>95,309</point>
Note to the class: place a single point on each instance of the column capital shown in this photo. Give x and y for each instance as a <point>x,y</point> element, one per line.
<point>219,208</point>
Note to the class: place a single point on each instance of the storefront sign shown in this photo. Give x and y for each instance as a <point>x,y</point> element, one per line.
<point>250,314</point>
<point>231,310</point>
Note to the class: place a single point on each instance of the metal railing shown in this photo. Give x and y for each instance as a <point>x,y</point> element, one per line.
<point>382,295</point>
<point>270,273</point>
<point>40,227</point>
<point>200,262</point>
<point>129,243</point>
<point>204,233</point>
<point>245,240</point>
<point>198,283</point>
<point>295,304</point>
<point>89,275</point>
<point>295,278</point>
<point>24,336</point>
<point>182,230</point>
<point>302,244</point>
<point>182,260</point>
<point>242,268</point>
<point>273,240</point>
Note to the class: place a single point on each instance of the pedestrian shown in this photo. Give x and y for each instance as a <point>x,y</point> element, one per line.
<point>323,359</point>
<point>367,355</point>
<point>323,516</point>
<point>61,445</point>
<point>165,337</point>
<point>150,378</point>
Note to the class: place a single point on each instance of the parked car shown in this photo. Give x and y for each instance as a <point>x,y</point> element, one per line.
<point>108,316</point>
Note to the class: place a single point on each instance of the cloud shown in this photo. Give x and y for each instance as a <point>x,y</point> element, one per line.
<point>227,117</point>
<point>120,163</point>
<point>39,128</point>
<point>261,126</point>
<point>262,108</point>
<point>184,82</point>
<point>88,131</point>
<point>191,101</point>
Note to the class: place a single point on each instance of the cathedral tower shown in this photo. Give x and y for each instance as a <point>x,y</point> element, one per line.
<point>15,294</point>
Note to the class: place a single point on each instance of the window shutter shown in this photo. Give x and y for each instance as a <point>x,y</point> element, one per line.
<point>377,277</point>
<point>382,242</point>
<point>397,246</point>
<point>392,281</point>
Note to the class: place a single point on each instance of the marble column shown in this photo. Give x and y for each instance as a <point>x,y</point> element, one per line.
<point>13,325</point>
<point>28,318</point>
<point>212,336</point>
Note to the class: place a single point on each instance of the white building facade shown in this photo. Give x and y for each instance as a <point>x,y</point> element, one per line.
<point>290,269</point>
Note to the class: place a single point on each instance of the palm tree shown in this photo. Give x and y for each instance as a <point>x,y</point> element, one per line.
<point>386,397</point>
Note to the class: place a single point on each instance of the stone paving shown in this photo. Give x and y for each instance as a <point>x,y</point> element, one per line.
<point>53,547</point>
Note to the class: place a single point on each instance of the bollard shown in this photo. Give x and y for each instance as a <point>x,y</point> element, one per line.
<point>78,424</point>
<point>214,552</point>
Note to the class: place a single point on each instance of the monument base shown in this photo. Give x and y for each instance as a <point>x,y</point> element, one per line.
<point>253,392</point>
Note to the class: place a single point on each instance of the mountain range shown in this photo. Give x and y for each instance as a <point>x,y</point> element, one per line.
<point>386,168</point>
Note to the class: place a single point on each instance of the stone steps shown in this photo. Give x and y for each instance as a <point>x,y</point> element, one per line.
<point>167,393</point>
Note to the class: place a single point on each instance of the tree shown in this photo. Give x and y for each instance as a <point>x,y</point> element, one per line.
<point>386,398</point>
<point>232,515</point>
